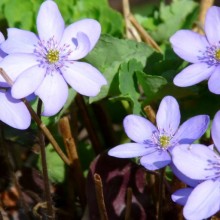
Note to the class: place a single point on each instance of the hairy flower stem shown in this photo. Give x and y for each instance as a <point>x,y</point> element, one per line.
<point>50,210</point>
<point>38,121</point>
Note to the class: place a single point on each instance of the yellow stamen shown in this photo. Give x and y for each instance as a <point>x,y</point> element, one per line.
<point>217,54</point>
<point>52,56</point>
<point>164,141</point>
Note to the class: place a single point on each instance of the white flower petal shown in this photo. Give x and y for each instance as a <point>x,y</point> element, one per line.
<point>212,27</point>
<point>53,91</point>
<point>50,22</point>
<point>13,112</point>
<point>15,64</point>
<point>130,150</point>
<point>191,130</point>
<point>81,47</point>
<point>19,41</point>
<point>138,128</point>
<point>168,115</point>
<point>203,202</point>
<point>90,27</point>
<point>2,38</point>
<point>189,45</point>
<point>155,160</point>
<point>195,160</point>
<point>215,130</point>
<point>213,84</point>
<point>84,78</point>
<point>181,195</point>
<point>193,74</point>
<point>28,82</point>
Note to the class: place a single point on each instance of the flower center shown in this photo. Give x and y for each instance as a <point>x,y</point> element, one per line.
<point>211,56</point>
<point>161,140</point>
<point>53,56</point>
<point>217,54</point>
<point>164,141</point>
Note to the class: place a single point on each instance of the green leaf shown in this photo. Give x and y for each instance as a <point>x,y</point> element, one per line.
<point>101,11</point>
<point>22,14</point>
<point>19,14</point>
<point>128,83</point>
<point>56,166</point>
<point>151,84</point>
<point>164,22</point>
<point>110,53</point>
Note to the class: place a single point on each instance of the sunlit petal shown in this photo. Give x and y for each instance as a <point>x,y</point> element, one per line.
<point>53,91</point>
<point>50,22</point>
<point>203,202</point>
<point>13,112</point>
<point>130,150</point>
<point>138,128</point>
<point>155,160</point>
<point>84,78</point>
<point>168,115</point>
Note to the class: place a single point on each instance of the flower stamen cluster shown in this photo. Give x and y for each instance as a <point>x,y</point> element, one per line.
<point>51,55</point>
<point>161,140</point>
<point>211,56</point>
<point>164,141</point>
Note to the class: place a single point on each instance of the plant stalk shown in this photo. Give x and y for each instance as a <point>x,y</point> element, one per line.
<point>50,210</point>
<point>38,121</point>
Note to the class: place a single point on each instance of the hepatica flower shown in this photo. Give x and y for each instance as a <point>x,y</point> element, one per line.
<point>44,64</point>
<point>203,51</point>
<point>154,143</point>
<point>201,163</point>
<point>12,112</point>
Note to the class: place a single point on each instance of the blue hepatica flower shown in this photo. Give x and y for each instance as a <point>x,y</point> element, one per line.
<point>203,51</point>
<point>201,163</point>
<point>44,64</point>
<point>12,112</point>
<point>154,144</point>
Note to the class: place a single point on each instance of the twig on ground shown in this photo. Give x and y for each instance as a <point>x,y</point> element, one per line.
<point>100,197</point>
<point>75,165</point>
<point>131,32</point>
<point>150,113</point>
<point>143,33</point>
<point>204,6</point>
